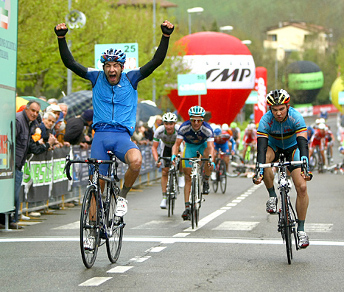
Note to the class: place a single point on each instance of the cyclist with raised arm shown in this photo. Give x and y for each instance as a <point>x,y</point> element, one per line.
<point>198,136</point>
<point>167,135</point>
<point>115,104</point>
<point>283,130</point>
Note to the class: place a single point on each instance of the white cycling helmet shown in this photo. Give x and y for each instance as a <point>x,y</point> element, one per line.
<point>251,126</point>
<point>322,126</point>
<point>225,127</point>
<point>169,117</point>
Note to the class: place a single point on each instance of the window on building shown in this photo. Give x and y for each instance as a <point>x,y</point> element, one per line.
<point>272,37</point>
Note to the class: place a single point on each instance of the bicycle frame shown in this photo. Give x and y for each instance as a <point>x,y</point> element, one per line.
<point>195,193</point>
<point>107,226</point>
<point>286,214</point>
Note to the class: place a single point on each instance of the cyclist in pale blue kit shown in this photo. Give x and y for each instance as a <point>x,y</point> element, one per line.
<point>283,130</point>
<point>198,136</point>
<point>114,105</point>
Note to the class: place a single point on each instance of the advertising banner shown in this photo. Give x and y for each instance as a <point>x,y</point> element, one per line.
<point>260,86</point>
<point>8,73</point>
<point>130,49</point>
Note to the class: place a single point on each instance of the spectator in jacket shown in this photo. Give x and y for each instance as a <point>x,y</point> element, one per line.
<point>75,129</point>
<point>25,125</point>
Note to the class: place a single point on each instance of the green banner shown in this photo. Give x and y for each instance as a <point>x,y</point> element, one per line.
<point>306,81</point>
<point>8,73</point>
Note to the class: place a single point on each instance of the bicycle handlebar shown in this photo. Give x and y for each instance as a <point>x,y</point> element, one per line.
<point>281,164</point>
<point>87,161</point>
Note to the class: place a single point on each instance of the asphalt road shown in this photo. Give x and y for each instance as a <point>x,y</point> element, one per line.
<point>236,247</point>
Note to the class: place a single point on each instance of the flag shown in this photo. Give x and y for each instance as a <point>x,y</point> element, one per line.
<point>3,18</point>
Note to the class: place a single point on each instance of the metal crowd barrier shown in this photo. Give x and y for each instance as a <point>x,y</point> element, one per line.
<point>46,185</point>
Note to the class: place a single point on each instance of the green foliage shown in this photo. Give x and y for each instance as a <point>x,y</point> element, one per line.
<point>40,69</point>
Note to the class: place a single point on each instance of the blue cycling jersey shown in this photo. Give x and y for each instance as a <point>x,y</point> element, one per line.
<point>204,134</point>
<point>114,105</point>
<point>282,134</point>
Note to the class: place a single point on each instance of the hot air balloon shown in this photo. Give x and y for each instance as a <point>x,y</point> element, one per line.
<point>230,71</point>
<point>304,79</point>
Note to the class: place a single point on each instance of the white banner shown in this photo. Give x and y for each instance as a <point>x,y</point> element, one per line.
<point>224,71</point>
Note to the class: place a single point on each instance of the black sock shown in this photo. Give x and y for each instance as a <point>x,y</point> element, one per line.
<point>124,191</point>
<point>272,192</point>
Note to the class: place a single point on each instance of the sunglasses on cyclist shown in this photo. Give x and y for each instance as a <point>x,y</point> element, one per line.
<point>196,120</point>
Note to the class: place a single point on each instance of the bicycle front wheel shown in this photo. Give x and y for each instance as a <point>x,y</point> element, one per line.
<point>215,182</point>
<point>223,176</point>
<point>170,188</point>
<point>114,230</point>
<point>89,227</point>
<point>287,227</point>
<point>195,188</point>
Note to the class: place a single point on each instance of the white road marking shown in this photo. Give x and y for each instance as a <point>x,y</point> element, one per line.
<point>74,225</point>
<point>139,259</point>
<point>178,240</point>
<point>236,225</point>
<point>96,281</point>
<point>119,269</point>
<point>156,248</point>
<point>231,204</point>
<point>206,220</point>
<point>157,224</point>
<point>181,235</point>
<point>318,227</point>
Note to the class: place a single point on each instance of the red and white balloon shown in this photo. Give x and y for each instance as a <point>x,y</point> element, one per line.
<point>230,71</point>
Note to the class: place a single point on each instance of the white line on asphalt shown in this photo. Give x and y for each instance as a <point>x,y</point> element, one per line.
<point>181,235</point>
<point>119,269</point>
<point>207,219</point>
<point>178,240</point>
<point>96,281</point>
<point>156,249</point>
<point>139,259</point>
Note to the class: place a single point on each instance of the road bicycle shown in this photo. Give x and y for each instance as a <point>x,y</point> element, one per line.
<point>172,187</point>
<point>250,156</point>
<point>287,218</point>
<point>98,223</point>
<point>316,160</point>
<point>220,177</point>
<point>236,165</point>
<point>196,185</point>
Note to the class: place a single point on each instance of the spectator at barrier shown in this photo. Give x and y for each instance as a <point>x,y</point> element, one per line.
<point>149,133</point>
<point>52,101</point>
<point>64,109</point>
<point>25,124</point>
<point>46,128</point>
<point>157,123</point>
<point>76,127</point>
<point>138,136</point>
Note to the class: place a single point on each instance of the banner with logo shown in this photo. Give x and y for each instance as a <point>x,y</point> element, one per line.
<point>260,86</point>
<point>130,49</point>
<point>44,177</point>
<point>8,73</point>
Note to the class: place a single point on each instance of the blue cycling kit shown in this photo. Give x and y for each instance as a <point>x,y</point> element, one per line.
<point>114,105</point>
<point>194,141</point>
<point>281,134</point>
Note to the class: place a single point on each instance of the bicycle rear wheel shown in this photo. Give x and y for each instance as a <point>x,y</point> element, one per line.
<point>223,176</point>
<point>89,227</point>
<point>114,230</point>
<point>215,182</point>
<point>287,227</point>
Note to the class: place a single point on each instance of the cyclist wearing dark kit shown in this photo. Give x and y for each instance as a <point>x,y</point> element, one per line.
<point>283,130</point>
<point>115,104</point>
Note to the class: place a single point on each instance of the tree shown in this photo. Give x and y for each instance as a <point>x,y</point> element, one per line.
<point>40,68</point>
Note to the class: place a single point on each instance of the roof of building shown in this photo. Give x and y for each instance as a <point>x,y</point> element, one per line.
<point>300,24</point>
